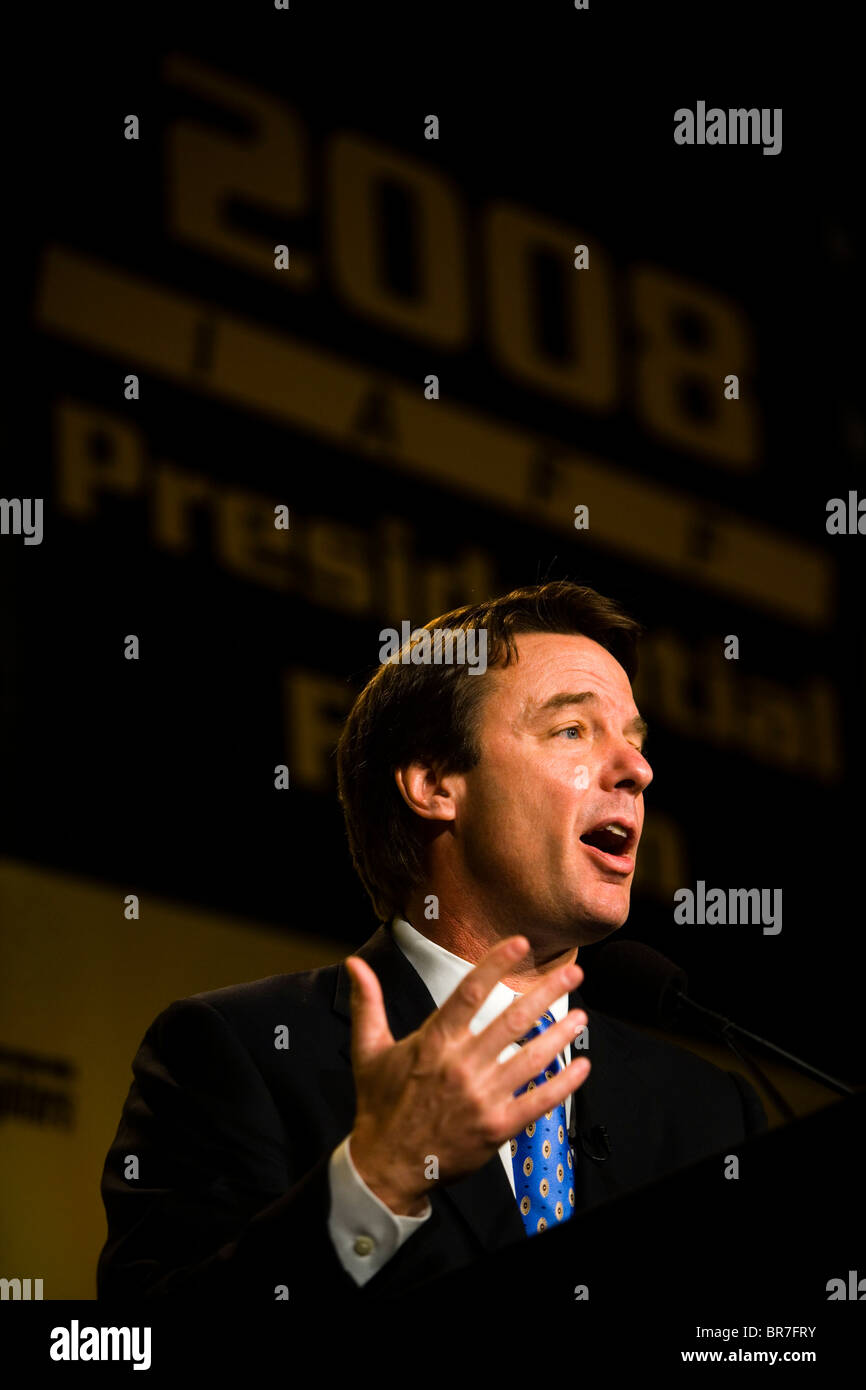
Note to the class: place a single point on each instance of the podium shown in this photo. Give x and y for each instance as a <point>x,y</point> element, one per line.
<point>771,1262</point>
<point>695,1248</point>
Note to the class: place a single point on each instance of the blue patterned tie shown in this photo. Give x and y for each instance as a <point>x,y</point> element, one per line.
<point>543,1176</point>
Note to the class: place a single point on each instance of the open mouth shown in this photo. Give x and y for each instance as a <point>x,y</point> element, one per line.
<point>611,842</point>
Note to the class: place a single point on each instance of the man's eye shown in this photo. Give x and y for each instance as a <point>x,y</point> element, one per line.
<point>572,729</point>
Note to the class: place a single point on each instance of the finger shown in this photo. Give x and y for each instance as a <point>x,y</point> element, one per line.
<point>533,1058</point>
<point>461,1006</point>
<point>370,1031</point>
<point>533,1104</point>
<point>515,1021</point>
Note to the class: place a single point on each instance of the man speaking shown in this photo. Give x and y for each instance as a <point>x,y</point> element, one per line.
<point>445,1093</point>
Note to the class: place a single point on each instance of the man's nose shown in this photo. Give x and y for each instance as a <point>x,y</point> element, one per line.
<point>628,767</point>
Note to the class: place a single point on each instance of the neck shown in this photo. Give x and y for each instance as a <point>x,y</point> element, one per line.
<point>472,938</point>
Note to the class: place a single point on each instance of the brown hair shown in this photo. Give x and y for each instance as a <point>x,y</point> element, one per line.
<point>430,712</point>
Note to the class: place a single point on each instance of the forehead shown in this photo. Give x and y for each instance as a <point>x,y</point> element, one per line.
<point>549,664</point>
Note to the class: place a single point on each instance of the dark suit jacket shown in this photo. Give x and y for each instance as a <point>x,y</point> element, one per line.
<point>233,1139</point>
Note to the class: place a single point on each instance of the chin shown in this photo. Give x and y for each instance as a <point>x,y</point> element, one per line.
<point>596,929</point>
<point>598,921</point>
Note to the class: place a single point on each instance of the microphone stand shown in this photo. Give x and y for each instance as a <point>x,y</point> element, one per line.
<point>724,1029</point>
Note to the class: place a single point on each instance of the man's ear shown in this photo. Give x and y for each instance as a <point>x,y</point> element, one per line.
<point>428,791</point>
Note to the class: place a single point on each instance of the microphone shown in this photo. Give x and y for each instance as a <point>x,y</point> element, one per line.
<point>632,981</point>
<point>594,1142</point>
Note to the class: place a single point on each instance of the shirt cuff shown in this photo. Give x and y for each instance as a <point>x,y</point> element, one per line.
<point>365,1232</point>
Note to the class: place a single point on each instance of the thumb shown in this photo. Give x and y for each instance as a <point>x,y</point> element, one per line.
<point>370,1031</point>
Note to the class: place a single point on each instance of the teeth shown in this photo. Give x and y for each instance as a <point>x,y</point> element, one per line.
<point>617,829</point>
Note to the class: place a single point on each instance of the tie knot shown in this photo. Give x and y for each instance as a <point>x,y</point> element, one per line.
<point>545,1021</point>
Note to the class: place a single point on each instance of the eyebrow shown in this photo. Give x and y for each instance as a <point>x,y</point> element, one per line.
<point>583,697</point>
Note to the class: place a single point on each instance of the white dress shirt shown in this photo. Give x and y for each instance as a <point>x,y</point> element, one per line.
<point>364,1231</point>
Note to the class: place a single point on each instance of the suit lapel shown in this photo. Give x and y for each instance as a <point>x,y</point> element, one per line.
<point>408,1001</point>
<point>613,1096</point>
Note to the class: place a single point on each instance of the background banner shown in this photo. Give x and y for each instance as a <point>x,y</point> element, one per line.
<point>472,327</point>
